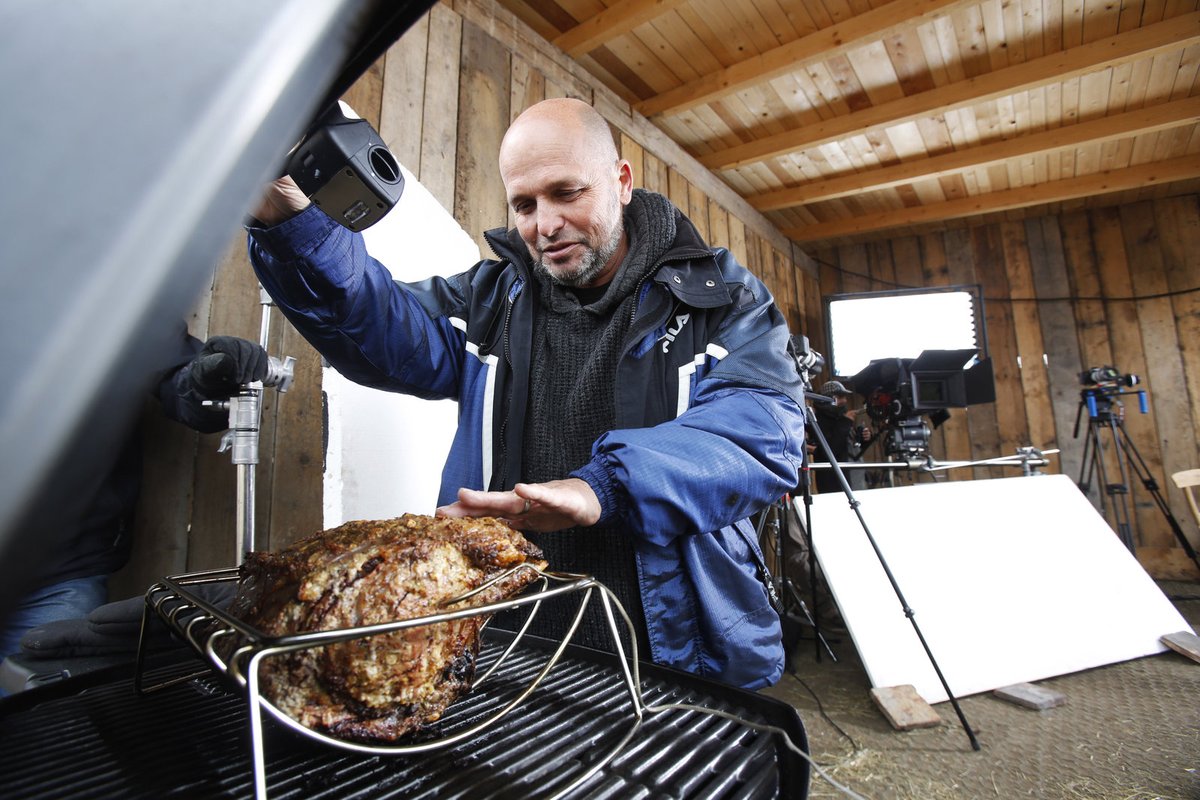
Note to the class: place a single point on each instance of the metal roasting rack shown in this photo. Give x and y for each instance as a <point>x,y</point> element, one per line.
<point>205,627</point>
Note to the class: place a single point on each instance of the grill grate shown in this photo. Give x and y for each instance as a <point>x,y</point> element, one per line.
<point>192,741</point>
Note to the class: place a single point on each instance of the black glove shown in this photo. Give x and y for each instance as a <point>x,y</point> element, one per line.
<point>113,628</point>
<point>226,363</point>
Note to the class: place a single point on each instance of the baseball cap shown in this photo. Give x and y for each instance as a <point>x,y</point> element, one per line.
<point>834,388</point>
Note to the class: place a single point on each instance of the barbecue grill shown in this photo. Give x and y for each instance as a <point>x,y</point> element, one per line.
<point>95,736</point>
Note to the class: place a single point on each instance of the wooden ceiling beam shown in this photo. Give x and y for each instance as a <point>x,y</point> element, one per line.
<point>519,38</point>
<point>794,56</point>
<point>1171,34</point>
<point>610,23</point>
<point>1159,172</point>
<point>1130,123</point>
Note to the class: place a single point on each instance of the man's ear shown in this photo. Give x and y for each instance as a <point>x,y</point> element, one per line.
<point>625,177</point>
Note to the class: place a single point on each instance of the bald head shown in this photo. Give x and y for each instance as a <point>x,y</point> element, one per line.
<point>567,188</point>
<point>562,119</point>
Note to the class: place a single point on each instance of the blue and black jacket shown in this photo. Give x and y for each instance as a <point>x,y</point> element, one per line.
<point>710,426</point>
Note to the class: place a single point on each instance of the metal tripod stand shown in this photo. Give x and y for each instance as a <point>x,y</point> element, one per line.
<point>773,532</point>
<point>1105,413</point>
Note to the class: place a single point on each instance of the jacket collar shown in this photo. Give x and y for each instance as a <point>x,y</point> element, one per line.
<point>689,269</point>
<point>507,246</point>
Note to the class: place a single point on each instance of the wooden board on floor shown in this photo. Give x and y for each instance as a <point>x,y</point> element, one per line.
<point>1031,695</point>
<point>1185,643</point>
<point>904,708</point>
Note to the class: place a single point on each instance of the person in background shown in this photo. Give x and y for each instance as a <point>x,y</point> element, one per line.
<point>99,544</point>
<point>625,392</point>
<point>846,440</point>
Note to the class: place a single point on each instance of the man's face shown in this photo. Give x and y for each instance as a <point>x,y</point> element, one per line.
<point>568,207</point>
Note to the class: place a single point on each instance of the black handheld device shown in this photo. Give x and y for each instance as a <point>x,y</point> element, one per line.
<point>344,167</point>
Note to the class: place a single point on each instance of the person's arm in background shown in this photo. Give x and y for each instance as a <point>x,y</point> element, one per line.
<point>199,372</point>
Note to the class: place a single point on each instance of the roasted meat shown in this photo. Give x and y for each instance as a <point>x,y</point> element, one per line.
<point>380,687</point>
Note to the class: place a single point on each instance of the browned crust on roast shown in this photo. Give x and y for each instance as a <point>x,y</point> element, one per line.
<point>371,572</point>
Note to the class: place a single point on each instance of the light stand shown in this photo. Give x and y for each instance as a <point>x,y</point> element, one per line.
<point>808,363</point>
<point>908,611</point>
<point>245,418</point>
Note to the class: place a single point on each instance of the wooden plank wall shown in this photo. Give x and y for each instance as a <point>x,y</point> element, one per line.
<point>1058,300</point>
<point>441,98</point>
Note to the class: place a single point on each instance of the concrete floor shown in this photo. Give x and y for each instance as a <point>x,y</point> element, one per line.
<point>1128,731</point>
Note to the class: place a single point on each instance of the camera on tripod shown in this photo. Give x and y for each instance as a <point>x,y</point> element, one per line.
<point>1107,377</point>
<point>1101,385</point>
<point>900,391</point>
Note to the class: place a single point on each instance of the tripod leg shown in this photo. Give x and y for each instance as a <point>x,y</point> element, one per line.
<point>1120,493</point>
<point>1111,495</point>
<point>1138,466</point>
<point>1085,465</point>
<point>789,517</point>
<point>812,572</point>
<point>779,580</point>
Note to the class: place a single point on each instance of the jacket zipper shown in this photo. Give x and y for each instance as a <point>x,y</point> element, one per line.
<point>678,257</point>
<point>506,350</point>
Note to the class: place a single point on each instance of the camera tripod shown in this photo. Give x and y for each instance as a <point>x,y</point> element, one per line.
<point>1101,416</point>
<point>774,529</point>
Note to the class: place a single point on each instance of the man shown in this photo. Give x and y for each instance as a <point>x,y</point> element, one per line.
<point>75,581</point>
<point>846,442</point>
<point>623,389</point>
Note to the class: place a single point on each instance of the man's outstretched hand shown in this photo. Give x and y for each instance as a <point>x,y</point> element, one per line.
<point>540,507</point>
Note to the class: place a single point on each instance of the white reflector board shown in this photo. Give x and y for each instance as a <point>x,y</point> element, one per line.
<point>1010,580</point>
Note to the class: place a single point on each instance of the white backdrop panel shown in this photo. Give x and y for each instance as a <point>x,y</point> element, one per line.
<point>1011,580</point>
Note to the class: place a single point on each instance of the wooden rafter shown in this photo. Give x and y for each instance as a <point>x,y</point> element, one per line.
<point>794,56</point>
<point>1143,175</point>
<point>1130,123</point>
<point>610,23</point>
<point>552,62</point>
<point>1172,34</point>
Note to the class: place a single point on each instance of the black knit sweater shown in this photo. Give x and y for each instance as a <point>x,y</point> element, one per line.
<point>576,348</point>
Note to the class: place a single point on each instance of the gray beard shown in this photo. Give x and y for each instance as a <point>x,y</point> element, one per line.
<point>592,264</point>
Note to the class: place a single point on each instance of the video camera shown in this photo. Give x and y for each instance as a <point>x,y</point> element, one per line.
<point>900,391</point>
<point>1100,386</point>
<point>1107,377</point>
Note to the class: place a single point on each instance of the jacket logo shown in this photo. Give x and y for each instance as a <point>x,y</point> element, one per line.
<point>669,336</point>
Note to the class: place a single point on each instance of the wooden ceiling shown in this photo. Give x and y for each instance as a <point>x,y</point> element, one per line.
<point>846,120</point>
